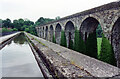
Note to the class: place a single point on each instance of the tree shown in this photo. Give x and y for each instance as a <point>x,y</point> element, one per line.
<point>53,39</point>
<point>7,23</point>
<point>79,44</point>
<point>91,45</point>
<point>63,39</point>
<point>27,29</point>
<point>107,53</point>
<point>57,18</point>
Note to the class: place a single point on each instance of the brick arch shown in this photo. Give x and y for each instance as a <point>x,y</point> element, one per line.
<point>58,30</point>
<point>69,32</point>
<point>115,40</point>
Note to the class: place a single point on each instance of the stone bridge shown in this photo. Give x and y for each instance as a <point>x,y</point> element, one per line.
<point>108,16</point>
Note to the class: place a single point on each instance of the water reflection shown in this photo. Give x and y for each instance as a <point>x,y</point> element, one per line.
<point>18,59</point>
<point>20,39</point>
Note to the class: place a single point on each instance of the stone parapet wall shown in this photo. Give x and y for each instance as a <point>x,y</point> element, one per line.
<point>64,62</point>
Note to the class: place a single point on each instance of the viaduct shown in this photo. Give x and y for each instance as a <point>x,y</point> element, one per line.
<point>108,16</point>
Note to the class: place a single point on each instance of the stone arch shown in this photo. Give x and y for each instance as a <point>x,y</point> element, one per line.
<point>46,33</point>
<point>115,40</point>
<point>88,26</point>
<point>58,30</point>
<point>39,32</point>
<point>43,31</point>
<point>69,32</point>
<point>51,32</point>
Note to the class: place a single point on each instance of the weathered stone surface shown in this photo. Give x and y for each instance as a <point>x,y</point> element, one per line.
<point>67,61</point>
<point>87,21</point>
<point>58,65</point>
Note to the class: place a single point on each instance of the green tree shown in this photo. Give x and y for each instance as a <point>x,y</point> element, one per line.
<point>79,44</point>
<point>53,39</point>
<point>107,53</point>
<point>27,29</point>
<point>6,23</point>
<point>63,39</point>
<point>14,29</point>
<point>91,45</point>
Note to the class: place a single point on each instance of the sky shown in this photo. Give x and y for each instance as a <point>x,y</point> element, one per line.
<point>34,9</point>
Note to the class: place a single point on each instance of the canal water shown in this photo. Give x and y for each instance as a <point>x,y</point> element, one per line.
<point>18,59</point>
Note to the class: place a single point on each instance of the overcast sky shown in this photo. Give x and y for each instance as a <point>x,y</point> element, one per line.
<point>33,9</point>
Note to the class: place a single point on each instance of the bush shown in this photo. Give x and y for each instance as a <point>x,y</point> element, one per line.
<point>63,39</point>
<point>107,54</point>
<point>53,39</point>
<point>27,29</point>
<point>91,45</point>
<point>79,44</point>
<point>14,29</point>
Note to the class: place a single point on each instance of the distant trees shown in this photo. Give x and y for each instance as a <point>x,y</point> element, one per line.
<point>57,18</point>
<point>42,21</point>
<point>24,24</point>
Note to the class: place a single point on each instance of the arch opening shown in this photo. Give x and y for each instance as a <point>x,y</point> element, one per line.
<point>51,32</point>
<point>58,30</point>
<point>46,33</point>
<point>43,32</point>
<point>91,33</point>
<point>69,33</point>
<point>115,41</point>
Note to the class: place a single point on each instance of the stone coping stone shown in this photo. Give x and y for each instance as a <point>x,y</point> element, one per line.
<point>60,66</point>
<point>4,38</point>
<point>93,66</point>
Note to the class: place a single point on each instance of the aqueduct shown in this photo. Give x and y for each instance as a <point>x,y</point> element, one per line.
<point>108,16</point>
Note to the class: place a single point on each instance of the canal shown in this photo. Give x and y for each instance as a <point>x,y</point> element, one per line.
<point>18,59</point>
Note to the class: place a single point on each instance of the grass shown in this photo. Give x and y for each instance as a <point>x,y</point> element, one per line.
<point>99,41</point>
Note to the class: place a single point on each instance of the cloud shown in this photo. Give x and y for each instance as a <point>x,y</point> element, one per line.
<point>33,9</point>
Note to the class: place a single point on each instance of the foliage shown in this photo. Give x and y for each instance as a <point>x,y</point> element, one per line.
<point>107,54</point>
<point>99,41</point>
<point>14,29</point>
<point>57,18</point>
<point>63,39</point>
<point>53,39</point>
<point>27,29</point>
<point>79,44</point>
<point>91,45</point>
<point>99,31</point>
<point>7,30</point>
<point>42,21</point>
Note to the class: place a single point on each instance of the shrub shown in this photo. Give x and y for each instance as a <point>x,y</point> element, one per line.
<point>14,29</point>
<point>63,39</point>
<point>53,39</point>
<point>91,45</point>
<point>107,54</point>
<point>79,44</point>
